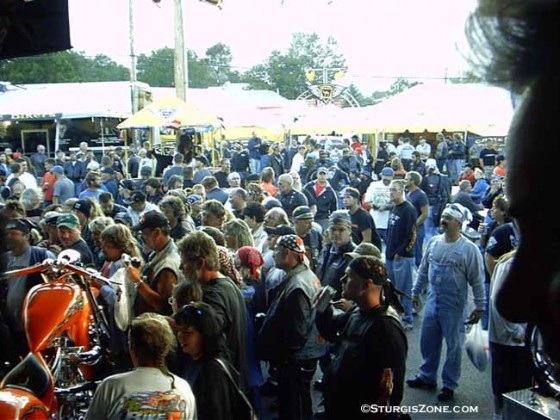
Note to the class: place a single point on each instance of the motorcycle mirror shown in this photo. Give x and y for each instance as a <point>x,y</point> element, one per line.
<point>69,256</point>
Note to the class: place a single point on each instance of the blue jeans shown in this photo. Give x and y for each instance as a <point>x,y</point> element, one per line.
<point>420,235</point>
<point>430,228</point>
<point>255,165</point>
<point>400,272</point>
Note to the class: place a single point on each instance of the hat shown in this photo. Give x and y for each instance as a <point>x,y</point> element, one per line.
<point>83,206</point>
<point>311,156</point>
<point>202,159</point>
<point>151,220</point>
<point>127,184</point>
<point>366,172</point>
<point>146,170</point>
<point>292,242</point>
<point>57,169</point>
<point>387,172</point>
<point>323,152</point>
<point>123,217</point>
<point>68,220</point>
<point>365,248</point>
<point>340,217</point>
<point>302,212</point>
<point>194,199</point>
<point>271,202</point>
<point>280,230</point>
<point>458,212</point>
<point>431,163</point>
<point>322,170</point>
<point>23,225</point>
<point>92,166</point>
<point>369,267</point>
<point>137,197</point>
<point>251,258</point>
<point>51,217</point>
<point>107,170</point>
<point>352,192</point>
<point>253,178</point>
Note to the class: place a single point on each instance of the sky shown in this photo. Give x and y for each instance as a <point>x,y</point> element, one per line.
<point>380,39</point>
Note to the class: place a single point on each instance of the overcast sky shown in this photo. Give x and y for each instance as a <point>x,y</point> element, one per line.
<point>380,39</point>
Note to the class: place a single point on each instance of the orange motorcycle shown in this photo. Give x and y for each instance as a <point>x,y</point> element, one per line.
<point>67,335</point>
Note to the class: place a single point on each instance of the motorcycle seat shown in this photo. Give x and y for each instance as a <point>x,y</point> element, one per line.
<point>29,374</point>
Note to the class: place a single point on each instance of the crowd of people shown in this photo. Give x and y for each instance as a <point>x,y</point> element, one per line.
<point>264,269</point>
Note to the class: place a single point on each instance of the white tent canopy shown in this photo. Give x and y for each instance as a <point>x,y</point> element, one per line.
<point>67,100</point>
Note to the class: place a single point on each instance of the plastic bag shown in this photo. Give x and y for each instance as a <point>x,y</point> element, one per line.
<point>124,299</point>
<point>477,347</point>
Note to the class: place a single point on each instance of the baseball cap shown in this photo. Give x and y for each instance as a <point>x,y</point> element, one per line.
<point>340,217</point>
<point>280,230</point>
<point>107,170</point>
<point>352,192</point>
<point>253,178</point>
<point>387,172</point>
<point>127,184</point>
<point>322,170</point>
<point>369,267</point>
<point>431,163</point>
<point>194,198</point>
<point>311,156</point>
<point>365,248</point>
<point>292,242</point>
<point>137,197</point>
<point>366,172</point>
<point>123,217</point>
<point>92,166</point>
<point>51,217</point>
<point>271,202</point>
<point>67,220</point>
<point>151,220</point>
<point>83,206</point>
<point>57,169</point>
<point>22,225</point>
<point>302,212</point>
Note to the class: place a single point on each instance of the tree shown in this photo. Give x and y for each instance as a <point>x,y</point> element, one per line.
<point>156,69</point>
<point>285,72</point>
<point>219,58</point>
<point>62,67</point>
<point>400,85</point>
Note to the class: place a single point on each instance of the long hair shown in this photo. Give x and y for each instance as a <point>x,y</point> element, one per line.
<point>240,232</point>
<point>121,237</point>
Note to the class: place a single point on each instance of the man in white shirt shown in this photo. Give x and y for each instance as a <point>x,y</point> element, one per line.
<point>377,197</point>
<point>424,148</point>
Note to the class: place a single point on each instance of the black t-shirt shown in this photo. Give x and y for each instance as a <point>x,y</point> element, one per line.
<point>81,246</point>
<point>362,220</point>
<point>488,157</point>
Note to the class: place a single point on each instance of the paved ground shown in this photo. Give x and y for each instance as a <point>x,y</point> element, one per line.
<point>474,392</point>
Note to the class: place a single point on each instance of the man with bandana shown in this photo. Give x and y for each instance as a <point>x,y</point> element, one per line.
<point>370,357</point>
<point>288,337</point>
<point>450,264</point>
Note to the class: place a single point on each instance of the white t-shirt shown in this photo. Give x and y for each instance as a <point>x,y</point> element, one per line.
<point>144,393</point>
<point>378,194</point>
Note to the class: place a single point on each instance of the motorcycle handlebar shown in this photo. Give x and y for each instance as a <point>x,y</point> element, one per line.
<point>50,264</point>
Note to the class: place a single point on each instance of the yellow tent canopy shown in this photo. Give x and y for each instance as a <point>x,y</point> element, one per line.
<point>169,109</point>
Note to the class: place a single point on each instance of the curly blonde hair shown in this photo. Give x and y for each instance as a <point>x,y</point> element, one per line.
<point>121,237</point>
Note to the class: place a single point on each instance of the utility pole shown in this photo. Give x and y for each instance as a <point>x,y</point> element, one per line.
<point>134,92</point>
<point>181,56</point>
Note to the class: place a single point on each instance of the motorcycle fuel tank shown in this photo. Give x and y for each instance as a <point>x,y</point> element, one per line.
<point>18,404</point>
<point>48,310</point>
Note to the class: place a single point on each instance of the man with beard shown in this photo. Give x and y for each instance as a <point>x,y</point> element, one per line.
<point>201,264</point>
<point>155,281</point>
<point>13,291</point>
<point>450,264</point>
<point>288,337</point>
<point>70,236</point>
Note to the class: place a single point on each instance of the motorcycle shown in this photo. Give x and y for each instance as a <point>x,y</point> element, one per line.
<point>67,335</point>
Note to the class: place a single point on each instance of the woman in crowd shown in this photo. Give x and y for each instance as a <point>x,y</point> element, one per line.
<point>32,199</point>
<point>154,192</point>
<point>96,227</point>
<point>213,214</point>
<point>174,210</point>
<point>237,234</point>
<point>200,335</point>
<point>150,390</point>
